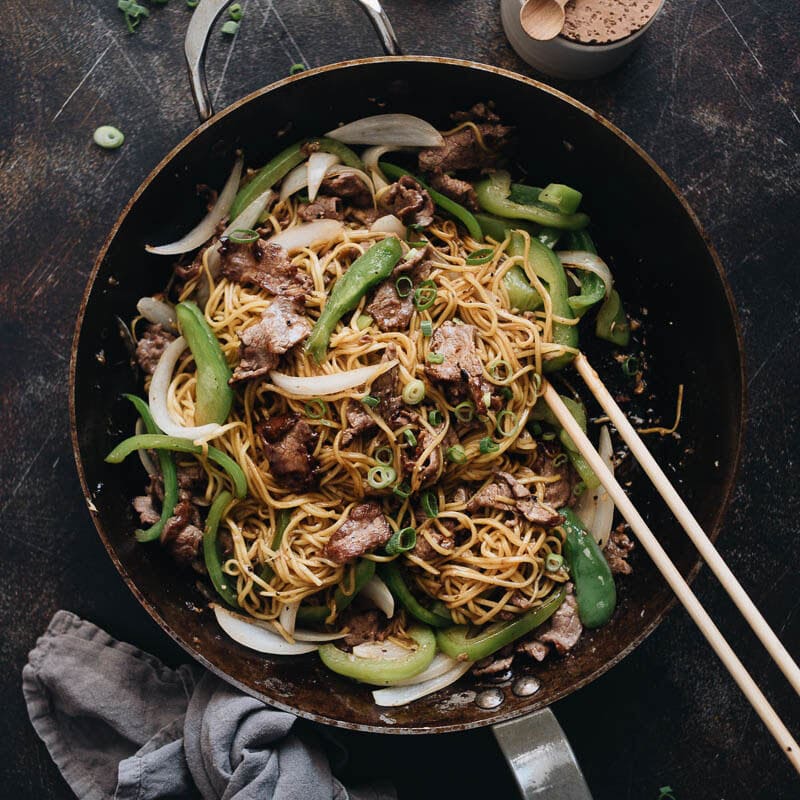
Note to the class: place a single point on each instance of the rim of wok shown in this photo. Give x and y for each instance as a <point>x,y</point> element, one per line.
<point>497,715</point>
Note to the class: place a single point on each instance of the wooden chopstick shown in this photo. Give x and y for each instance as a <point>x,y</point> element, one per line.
<point>690,524</point>
<point>675,580</point>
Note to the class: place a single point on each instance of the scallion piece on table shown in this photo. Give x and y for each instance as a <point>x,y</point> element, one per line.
<point>235,12</point>
<point>108,137</point>
<point>230,28</point>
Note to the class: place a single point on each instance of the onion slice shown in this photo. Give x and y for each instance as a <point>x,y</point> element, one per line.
<point>389,224</point>
<point>288,617</point>
<point>320,385</point>
<point>596,508</point>
<point>318,166</point>
<point>380,651</point>
<point>401,129</point>
<point>308,234</point>
<point>158,312</point>
<point>401,695</point>
<point>256,637</point>
<point>296,180</point>
<point>377,592</point>
<point>441,663</point>
<point>159,389</point>
<point>582,259</point>
<point>206,228</point>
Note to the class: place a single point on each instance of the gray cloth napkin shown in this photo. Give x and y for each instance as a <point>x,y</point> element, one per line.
<point>119,724</point>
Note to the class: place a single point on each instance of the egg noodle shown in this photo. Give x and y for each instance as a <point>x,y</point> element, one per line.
<point>493,559</point>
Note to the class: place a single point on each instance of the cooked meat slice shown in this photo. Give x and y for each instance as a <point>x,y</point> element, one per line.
<point>358,421</point>
<point>289,446</point>
<point>494,495</point>
<point>454,188</point>
<point>538,514</point>
<point>533,648</point>
<point>190,271</point>
<point>364,216</point>
<point>617,550</point>
<point>143,506</point>
<point>390,311</point>
<point>192,479</point>
<point>408,201</point>
<point>508,494</point>
<point>365,626</point>
<point>364,529</point>
<point>265,265</point>
<point>461,372</point>
<point>564,627</point>
<point>425,550</point>
<point>557,493</point>
<point>282,326</point>
<point>182,534</point>
<point>151,346</point>
<point>495,664</point>
<point>322,208</point>
<point>349,186</point>
<point>430,469</point>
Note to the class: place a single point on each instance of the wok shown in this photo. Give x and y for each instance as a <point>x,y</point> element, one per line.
<point>661,259</point>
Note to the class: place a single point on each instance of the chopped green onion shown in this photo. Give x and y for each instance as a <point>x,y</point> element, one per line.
<point>133,12</point>
<point>553,562</point>
<point>488,445</point>
<point>456,454</point>
<point>425,295</point>
<point>579,488</point>
<point>108,137</point>
<point>414,392</point>
<point>435,417</point>
<point>435,358</point>
<point>230,27</point>
<point>500,370</point>
<point>364,321</point>
<point>427,328</point>
<point>401,542</point>
<point>410,438</point>
<point>369,400</point>
<point>506,393</point>
<point>430,504</point>
<point>421,243</point>
<point>243,236</point>
<point>384,455</point>
<point>381,476</point>
<point>464,411</point>
<point>630,366</point>
<point>482,256</point>
<point>548,436</point>
<point>560,460</point>
<point>402,489</point>
<point>235,12</point>
<point>296,69</point>
<point>316,408</point>
<point>404,286</point>
<point>500,426</point>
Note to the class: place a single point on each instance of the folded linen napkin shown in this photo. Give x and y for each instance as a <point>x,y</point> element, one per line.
<point>119,724</point>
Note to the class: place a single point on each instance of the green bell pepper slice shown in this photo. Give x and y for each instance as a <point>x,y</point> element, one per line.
<point>521,294</point>
<point>563,198</point>
<point>393,578</point>
<point>594,583</point>
<point>612,322</point>
<point>316,615</point>
<point>211,553</point>
<point>383,671</point>
<point>457,643</point>
<point>493,196</point>
<point>593,289</point>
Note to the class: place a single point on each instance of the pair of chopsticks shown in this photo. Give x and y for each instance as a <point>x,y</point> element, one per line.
<point>656,552</point>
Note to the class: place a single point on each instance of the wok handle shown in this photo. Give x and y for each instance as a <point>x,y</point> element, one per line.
<point>540,756</point>
<point>199,30</point>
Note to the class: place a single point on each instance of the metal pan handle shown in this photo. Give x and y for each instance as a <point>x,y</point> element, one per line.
<point>199,30</point>
<point>541,758</point>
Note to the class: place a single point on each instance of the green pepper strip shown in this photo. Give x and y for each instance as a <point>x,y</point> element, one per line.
<point>365,272</point>
<point>541,411</point>
<point>158,441</point>
<point>445,203</point>
<point>316,615</point>
<point>214,395</point>
<point>593,289</point>
<point>169,473</point>
<point>563,198</point>
<point>493,196</point>
<point>286,160</point>
<point>281,523</point>
<point>383,671</point>
<point>393,578</point>
<point>612,321</point>
<point>521,294</point>
<point>456,643</point>
<point>594,583</point>
<point>211,553</point>
<point>524,194</point>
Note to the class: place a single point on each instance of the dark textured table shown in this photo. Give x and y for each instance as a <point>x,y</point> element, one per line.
<point>712,96</point>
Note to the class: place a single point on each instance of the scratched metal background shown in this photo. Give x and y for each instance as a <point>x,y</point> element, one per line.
<point>712,96</point>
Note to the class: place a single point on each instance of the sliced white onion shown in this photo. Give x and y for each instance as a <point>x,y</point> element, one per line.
<point>440,664</point>
<point>402,129</point>
<point>206,228</point>
<point>144,455</point>
<point>401,695</point>
<point>377,592</point>
<point>380,651</point>
<point>257,637</point>
<point>288,617</point>
<point>320,385</point>
<point>296,180</point>
<point>158,312</point>
<point>159,388</point>
<point>582,259</point>
<point>318,166</point>
<point>604,514</point>
<point>389,224</point>
<point>372,155</point>
<point>309,234</point>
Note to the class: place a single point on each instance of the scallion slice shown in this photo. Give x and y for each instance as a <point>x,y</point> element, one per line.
<point>435,417</point>
<point>560,460</point>
<point>482,256</point>
<point>500,370</point>
<point>425,295</point>
<point>488,445</point>
<point>108,137</point>
<point>363,322</point>
<point>464,411</point>
<point>384,456</point>
<point>243,235</point>
<point>630,366</point>
<point>427,328</point>
<point>435,358</point>
<point>230,27</point>
<point>414,392</point>
<point>369,400</point>
<point>235,12</point>
<point>553,562</point>
<point>296,69</point>
<point>402,490</point>
<point>404,286</point>
<point>316,408</point>
<point>381,476</point>
<point>456,454</point>
<point>401,542</point>
<point>430,504</point>
<point>500,426</point>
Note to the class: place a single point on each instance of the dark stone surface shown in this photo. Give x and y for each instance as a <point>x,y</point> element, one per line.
<point>711,96</point>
